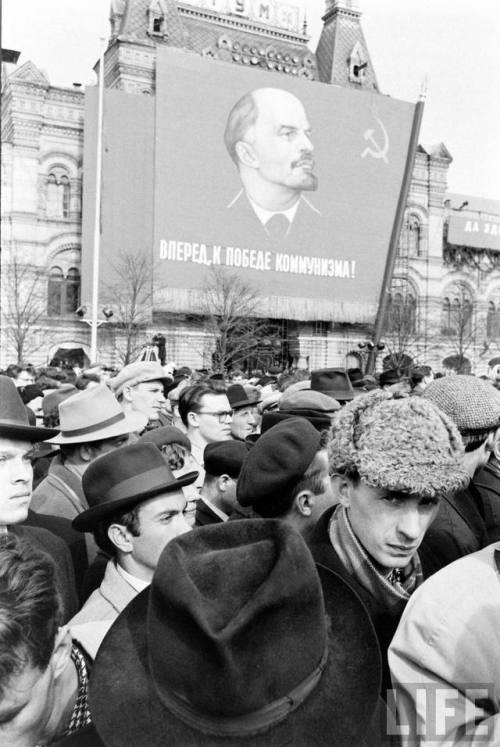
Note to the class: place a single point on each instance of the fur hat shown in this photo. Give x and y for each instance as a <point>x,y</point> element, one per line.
<point>471,403</point>
<point>398,443</point>
<point>239,640</point>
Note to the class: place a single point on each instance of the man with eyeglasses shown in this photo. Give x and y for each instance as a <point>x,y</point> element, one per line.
<point>207,416</point>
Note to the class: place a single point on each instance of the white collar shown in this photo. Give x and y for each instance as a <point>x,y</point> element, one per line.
<point>264,215</point>
<point>216,510</point>
<point>136,583</point>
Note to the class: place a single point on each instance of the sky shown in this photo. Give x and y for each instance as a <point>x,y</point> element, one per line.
<point>453,44</point>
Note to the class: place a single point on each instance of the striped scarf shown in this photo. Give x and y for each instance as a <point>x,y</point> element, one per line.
<point>391,589</point>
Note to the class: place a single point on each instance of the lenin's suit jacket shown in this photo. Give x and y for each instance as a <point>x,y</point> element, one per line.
<point>44,541</point>
<point>248,231</point>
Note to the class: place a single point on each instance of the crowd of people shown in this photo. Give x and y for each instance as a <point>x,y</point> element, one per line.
<point>277,558</point>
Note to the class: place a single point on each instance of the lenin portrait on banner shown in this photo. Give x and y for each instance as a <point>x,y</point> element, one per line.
<point>268,136</point>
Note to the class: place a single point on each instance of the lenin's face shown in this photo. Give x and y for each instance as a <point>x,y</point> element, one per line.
<point>280,141</point>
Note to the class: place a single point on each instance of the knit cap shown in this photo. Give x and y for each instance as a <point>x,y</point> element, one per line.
<point>471,403</point>
<point>401,444</point>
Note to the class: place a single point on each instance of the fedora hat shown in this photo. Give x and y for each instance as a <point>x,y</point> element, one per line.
<point>239,397</point>
<point>93,415</point>
<point>235,643</point>
<point>123,478</point>
<point>332,381</point>
<point>14,419</point>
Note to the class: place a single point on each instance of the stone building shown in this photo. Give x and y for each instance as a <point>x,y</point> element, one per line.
<point>445,294</point>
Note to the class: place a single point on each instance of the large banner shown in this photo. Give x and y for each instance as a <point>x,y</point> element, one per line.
<point>475,231</point>
<point>291,184</point>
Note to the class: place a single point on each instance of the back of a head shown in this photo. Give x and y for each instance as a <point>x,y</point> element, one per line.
<point>276,464</point>
<point>471,403</point>
<point>30,608</point>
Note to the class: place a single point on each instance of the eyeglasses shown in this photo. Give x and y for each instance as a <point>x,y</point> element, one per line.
<point>223,415</point>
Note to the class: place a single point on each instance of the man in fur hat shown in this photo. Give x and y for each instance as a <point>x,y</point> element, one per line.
<point>391,460</point>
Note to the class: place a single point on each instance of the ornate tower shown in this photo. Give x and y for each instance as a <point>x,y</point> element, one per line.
<point>342,55</point>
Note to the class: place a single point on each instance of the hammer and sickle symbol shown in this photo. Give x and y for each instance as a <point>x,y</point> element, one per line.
<point>377,151</point>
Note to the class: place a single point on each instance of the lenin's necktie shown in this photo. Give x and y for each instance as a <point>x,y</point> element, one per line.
<point>277,226</point>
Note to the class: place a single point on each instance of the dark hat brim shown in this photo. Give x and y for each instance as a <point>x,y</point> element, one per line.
<point>340,394</point>
<point>26,432</point>
<point>127,710</point>
<point>87,520</point>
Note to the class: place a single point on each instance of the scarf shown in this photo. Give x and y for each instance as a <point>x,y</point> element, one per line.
<point>391,589</point>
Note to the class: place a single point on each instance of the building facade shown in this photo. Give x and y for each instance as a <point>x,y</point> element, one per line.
<point>444,302</point>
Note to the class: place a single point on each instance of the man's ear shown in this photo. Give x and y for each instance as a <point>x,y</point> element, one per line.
<point>341,486</point>
<point>222,482</point>
<point>304,502</point>
<point>120,537</point>
<point>127,393</point>
<point>492,444</point>
<point>246,154</point>
<point>192,419</point>
<point>62,651</point>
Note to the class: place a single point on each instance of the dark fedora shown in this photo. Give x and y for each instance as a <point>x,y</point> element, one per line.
<point>236,643</point>
<point>14,420</point>
<point>238,397</point>
<point>123,478</point>
<point>332,381</point>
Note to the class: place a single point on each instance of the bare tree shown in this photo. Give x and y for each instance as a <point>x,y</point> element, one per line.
<point>401,335</point>
<point>459,326</point>
<point>24,306</point>
<point>230,307</point>
<point>131,298</point>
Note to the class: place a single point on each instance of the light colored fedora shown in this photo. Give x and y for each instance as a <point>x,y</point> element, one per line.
<point>95,414</point>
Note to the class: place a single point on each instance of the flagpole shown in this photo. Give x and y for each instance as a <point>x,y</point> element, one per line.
<point>94,322</point>
<point>396,229</point>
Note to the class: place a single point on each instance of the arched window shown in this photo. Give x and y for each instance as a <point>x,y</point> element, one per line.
<point>401,315</point>
<point>493,320</point>
<point>446,317</point>
<point>65,195</point>
<point>72,300</point>
<point>55,291</point>
<point>411,236</point>
<point>457,316</point>
<point>58,195</point>
<point>63,292</point>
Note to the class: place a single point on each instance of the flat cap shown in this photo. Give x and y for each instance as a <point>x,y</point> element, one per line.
<point>166,434</point>
<point>472,404</point>
<point>275,464</point>
<point>137,373</point>
<point>224,458</point>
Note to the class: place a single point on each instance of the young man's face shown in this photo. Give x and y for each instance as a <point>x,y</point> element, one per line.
<point>160,520</point>
<point>148,397</point>
<point>214,418</point>
<point>389,525</point>
<point>16,478</point>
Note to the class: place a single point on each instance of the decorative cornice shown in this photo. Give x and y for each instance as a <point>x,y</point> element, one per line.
<point>242,24</point>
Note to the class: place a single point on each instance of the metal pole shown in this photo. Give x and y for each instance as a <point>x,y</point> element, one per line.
<point>396,230</point>
<point>97,214</point>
